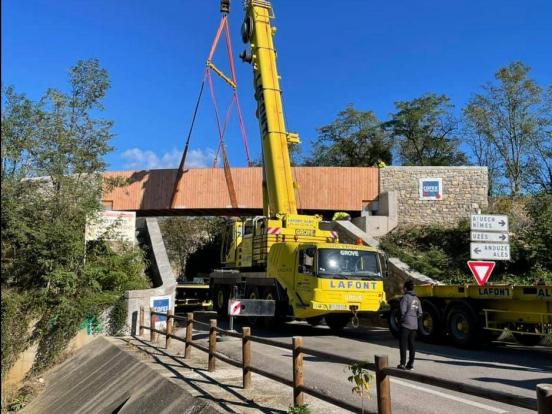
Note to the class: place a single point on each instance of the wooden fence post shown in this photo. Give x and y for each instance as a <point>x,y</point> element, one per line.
<point>153,336</point>
<point>189,333</point>
<point>298,381</point>
<point>544,398</point>
<point>246,357</point>
<point>212,344</point>
<point>382,385</point>
<point>141,322</point>
<point>169,331</point>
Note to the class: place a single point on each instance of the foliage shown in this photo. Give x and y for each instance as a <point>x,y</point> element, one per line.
<point>185,236</point>
<point>16,318</point>
<point>361,379</point>
<point>19,402</point>
<point>424,129</point>
<point>441,252</point>
<point>16,401</point>
<point>435,251</point>
<point>354,139</point>
<point>118,317</point>
<point>539,232</point>
<point>508,127</point>
<point>52,156</point>
<point>299,409</point>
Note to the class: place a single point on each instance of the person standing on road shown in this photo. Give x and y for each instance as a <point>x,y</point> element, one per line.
<point>411,311</point>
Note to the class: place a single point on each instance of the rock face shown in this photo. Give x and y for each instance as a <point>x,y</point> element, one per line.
<point>464,191</point>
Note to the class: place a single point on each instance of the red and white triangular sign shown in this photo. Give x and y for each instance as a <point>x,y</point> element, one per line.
<point>481,270</point>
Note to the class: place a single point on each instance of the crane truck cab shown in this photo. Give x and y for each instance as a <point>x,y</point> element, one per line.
<point>303,268</point>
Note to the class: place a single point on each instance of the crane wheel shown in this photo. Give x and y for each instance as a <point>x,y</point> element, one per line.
<point>463,326</point>
<point>252,292</point>
<point>220,300</point>
<point>430,328</point>
<point>315,320</point>
<point>279,317</point>
<point>337,321</point>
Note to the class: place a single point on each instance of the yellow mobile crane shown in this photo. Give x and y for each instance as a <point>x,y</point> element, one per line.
<point>285,256</point>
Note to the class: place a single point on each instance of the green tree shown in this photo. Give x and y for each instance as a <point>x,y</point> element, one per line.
<point>354,139</point>
<point>52,157</point>
<point>425,129</point>
<point>539,232</point>
<point>512,120</point>
<point>540,161</point>
<point>52,154</point>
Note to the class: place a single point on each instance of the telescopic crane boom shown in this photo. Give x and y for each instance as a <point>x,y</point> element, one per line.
<point>279,187</point>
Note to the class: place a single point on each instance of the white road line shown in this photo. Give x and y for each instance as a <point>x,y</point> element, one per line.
<point>450,397</point>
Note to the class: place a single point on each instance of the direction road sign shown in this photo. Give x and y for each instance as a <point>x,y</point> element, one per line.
<point>483,236</point>
<point>489,222</point>
<point>481,270</point>
<point>490,251</point>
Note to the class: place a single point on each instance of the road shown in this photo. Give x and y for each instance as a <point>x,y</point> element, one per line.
<point>501,366</point>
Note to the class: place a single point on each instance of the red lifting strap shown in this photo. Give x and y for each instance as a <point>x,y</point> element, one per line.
<point>223,27</point>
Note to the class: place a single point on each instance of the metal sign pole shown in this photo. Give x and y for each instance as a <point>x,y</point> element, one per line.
<point>234,296</point>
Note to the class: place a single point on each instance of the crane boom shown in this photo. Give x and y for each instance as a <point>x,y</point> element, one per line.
<point>279,187</point>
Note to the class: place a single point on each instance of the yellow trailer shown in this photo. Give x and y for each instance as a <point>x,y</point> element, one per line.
<point>472,315</point>
<point>192,296</point>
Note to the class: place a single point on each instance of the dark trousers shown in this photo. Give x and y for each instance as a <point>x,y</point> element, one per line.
<point>407,340</point>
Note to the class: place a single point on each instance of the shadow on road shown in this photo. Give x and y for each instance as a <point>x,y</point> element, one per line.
<point>527,384</point>
<point>499,355</point>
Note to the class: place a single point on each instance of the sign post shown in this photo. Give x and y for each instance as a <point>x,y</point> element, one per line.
<point>233,307</point>
<point>490,240</point>
<point>160,304</point>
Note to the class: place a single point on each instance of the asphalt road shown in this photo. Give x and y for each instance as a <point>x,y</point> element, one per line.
<point>500,366</point>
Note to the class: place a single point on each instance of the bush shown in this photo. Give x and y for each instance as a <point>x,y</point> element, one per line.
<point>16,319</point>
<point>441,253</point>
<point>118,317</point>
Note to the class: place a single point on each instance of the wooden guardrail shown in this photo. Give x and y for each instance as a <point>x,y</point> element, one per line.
<point>543,403</point>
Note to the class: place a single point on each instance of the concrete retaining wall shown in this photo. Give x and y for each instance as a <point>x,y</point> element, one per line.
<point>160,270</point>
<point>102,378</point>
<point>464,192</point>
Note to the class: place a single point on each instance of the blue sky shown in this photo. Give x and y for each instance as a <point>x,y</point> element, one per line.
<point>331,53</point>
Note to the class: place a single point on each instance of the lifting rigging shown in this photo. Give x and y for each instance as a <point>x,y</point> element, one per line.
<point>231,80</point>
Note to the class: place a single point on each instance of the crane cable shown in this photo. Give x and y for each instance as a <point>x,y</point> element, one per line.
<point>180,171</point>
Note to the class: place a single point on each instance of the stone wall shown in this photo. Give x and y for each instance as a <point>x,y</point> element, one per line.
<point>464,191</point>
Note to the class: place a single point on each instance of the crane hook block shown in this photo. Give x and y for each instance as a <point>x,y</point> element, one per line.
<point>225,6</point>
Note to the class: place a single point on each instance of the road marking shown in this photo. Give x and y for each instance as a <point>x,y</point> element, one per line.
<point>450,397</point>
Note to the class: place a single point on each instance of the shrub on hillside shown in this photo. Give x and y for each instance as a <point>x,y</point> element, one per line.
<point>442,253</point>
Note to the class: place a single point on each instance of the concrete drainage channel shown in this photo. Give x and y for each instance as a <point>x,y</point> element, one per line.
<point>103,378</point>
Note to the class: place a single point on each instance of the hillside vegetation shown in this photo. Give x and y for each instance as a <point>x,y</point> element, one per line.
<point>442,253</point>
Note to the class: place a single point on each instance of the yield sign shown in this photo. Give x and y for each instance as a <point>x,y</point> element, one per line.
<point>481,270</point>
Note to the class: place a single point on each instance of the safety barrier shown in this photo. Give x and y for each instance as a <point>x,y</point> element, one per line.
<point>543,403</point>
